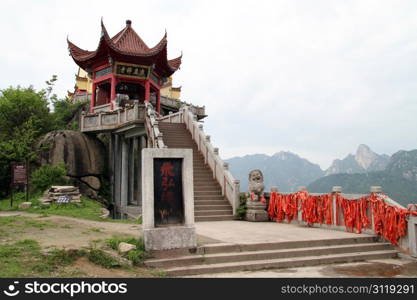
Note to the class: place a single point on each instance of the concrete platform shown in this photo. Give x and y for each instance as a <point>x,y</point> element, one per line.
<point>238,232</point>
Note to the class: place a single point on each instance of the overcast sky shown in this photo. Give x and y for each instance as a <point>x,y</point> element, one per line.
<point>316,78</point>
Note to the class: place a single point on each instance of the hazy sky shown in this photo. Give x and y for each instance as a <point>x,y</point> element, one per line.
<point>317,78</point>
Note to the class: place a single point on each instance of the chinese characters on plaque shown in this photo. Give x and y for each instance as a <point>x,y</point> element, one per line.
<point>169,207</point>
<point>19,173</point>
<point>132,70</point>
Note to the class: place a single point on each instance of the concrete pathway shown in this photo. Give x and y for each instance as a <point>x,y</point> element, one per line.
<point>238,232</point>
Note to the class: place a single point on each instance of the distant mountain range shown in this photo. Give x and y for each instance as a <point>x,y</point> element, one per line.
<point>355,173</point>
<point>285,170</point>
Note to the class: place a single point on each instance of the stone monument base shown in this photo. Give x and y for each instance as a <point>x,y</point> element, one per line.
<point>256,212</point>
<point>172,237</point>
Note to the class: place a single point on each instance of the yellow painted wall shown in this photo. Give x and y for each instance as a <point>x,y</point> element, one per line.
<point>83,81</point>
<point>169,91</point>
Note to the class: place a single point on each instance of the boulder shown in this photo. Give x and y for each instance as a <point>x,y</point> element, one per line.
<point>105,213</point>
<point>25,205</point>
<point>84,156</point>
<point>125,247</point>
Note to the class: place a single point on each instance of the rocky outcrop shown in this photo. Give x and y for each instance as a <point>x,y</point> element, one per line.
<point>83,155</point>
<point>365,160</point>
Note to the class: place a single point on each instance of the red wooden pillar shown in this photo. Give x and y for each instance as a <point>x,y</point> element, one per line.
<point>93,98</point>
<point>158,101</point>
<point>112,91</point>
<point>147,91</point>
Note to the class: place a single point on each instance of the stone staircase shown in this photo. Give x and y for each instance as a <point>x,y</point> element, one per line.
<point>220,258</point>
<point>209,204</point>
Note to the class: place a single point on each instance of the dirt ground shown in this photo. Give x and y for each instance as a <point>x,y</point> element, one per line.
<point>70,233</point>
<point>67,232</point>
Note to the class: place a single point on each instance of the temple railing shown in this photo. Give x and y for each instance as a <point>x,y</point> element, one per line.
<point>152,128</point>
<point>109,120</point>
<point>407,244</point>
<point>175,103</point>
<point>229,185</point>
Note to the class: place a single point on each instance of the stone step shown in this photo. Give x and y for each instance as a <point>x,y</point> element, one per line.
<point>203,207</point>
<point>202,172</point>
<point>201,166</point>
<point>178,145</point>
<point>279,263</point>
<point>212,200</point>
<point>214,218</point>
<point>204,183</point>
<point>266,254</point>
<point>202,176</point>
<point>209,194</point>
<point>179,140</point>
<point>212,203</point>
<point>227,247</point>
<point>226,212</point>
<point>208,188</point>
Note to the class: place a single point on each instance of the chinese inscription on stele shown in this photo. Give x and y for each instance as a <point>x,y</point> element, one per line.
<point>169,207</point>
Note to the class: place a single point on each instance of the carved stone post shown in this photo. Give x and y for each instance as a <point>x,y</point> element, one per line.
<point>335,191</point>
<point>255,201</point>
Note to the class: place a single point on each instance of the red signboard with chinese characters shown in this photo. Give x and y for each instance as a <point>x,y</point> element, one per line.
<point>168,196</point>
<point>19,173</point>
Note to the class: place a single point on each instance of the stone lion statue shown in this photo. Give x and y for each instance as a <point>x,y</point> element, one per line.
<point>256,185</point>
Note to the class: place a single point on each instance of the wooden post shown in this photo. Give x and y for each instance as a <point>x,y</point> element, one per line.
<point>93,98</point>
<point>147,91</point>
<point>112,91</point>
<point>158,102</point>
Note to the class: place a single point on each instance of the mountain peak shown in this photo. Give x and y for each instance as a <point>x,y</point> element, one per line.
<point>365,160</point>
<point>365,156</point>
<point>283,155</point>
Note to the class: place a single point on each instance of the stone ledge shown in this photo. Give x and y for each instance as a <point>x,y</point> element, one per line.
<point>173,237</point>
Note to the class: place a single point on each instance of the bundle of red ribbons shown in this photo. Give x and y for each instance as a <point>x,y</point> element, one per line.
<point>389,221</point>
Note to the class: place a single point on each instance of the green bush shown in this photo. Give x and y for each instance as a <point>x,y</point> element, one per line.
<point>241,210</point>
<point>48,175</point>
<point>103,259</point>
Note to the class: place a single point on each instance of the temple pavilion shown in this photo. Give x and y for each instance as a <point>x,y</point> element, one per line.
<point>123,69</point>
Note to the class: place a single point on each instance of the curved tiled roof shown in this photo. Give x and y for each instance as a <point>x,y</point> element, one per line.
<point>127,43</point>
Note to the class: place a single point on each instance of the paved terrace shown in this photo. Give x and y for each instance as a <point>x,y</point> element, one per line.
<point>242,232</point>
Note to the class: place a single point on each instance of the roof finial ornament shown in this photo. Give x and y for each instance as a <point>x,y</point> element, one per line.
<point>128,22</point>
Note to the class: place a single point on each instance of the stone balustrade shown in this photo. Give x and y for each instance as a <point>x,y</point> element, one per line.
<point>110,120</point>
<point>155,136</point>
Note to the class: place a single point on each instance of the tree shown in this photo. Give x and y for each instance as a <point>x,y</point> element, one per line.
<point>18,106</point>
<point>24,118</point>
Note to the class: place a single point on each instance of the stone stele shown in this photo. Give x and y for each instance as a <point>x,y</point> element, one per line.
<point>175,236</point>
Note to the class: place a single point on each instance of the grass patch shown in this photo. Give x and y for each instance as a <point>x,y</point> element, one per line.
<point>17,199</point>
<point>64,257</point>
<point>24,258</point>
<point>103,259</point>
<point>18,224</point>
<point>136,256</point>
<point>114,242</point>
<point>88,209</point>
